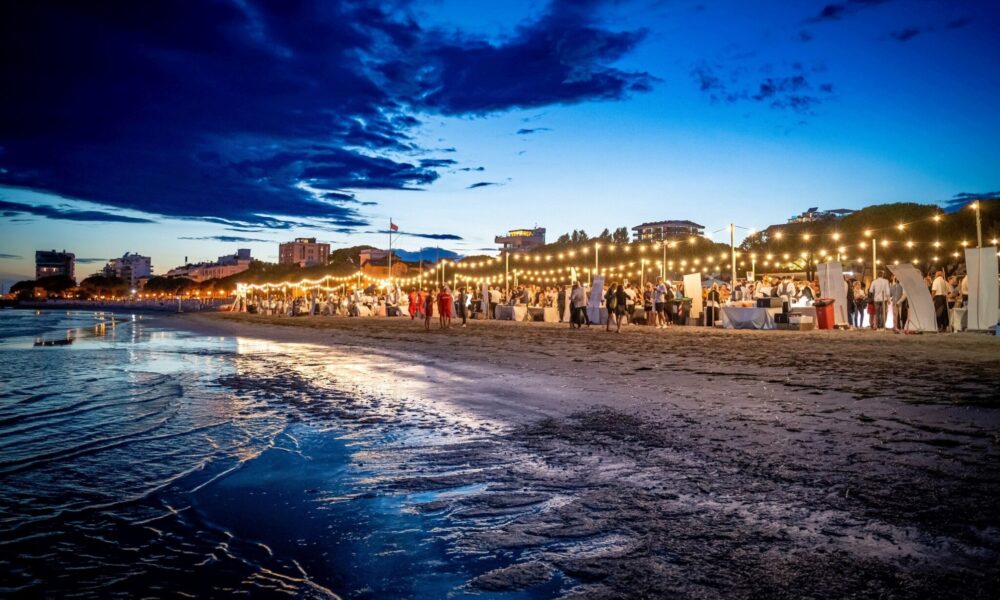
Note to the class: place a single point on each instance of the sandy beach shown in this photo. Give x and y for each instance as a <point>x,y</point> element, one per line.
<point>699,463</point>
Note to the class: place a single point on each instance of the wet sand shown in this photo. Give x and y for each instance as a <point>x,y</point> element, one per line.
<point>702,463</point>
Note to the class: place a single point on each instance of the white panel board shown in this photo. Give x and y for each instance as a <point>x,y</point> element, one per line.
<point>920,315</point>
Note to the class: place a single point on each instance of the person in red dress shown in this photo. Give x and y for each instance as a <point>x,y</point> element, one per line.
<point>446,305</point>
<point>414,299</point>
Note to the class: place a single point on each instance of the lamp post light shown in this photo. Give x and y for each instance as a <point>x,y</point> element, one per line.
<point>979,224</point>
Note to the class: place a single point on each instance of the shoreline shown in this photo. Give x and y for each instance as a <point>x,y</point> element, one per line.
<point>842,459</point>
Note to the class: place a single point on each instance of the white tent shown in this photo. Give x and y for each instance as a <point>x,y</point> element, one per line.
<point>981,265</point>
<point>921,305</point>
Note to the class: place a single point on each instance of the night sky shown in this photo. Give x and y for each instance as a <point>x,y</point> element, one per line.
<point>179,129</point>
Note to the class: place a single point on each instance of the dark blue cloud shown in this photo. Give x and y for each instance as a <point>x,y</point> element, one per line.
<point>234,239</point>
<point>908,33</point>
<point>963,199</point>
<point>10,256</point>
<point>251,113</point>
<point>529,131</point>
<point>482,184</point>
<point>905,35</point>
<point>66,214</point>
<point>427,236</point>
<point>840,10</point>
<point>467,169</point>
<point>427,254</point>
<point>90,261</point>
<point>792,90</point>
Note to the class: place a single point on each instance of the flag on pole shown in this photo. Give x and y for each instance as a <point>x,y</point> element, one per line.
<point>393,226</point>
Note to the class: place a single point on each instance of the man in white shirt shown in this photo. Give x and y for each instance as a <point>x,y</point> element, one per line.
<point>879,289</point>
<point>494,300</point>
<point>963,289</point>
<point>940,290</point>
<point>660,302</point>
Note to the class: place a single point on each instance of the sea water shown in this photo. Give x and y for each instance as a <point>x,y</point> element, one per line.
<point>139,459</point>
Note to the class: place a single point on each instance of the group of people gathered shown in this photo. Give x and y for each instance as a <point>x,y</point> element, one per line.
<point>660,303</point>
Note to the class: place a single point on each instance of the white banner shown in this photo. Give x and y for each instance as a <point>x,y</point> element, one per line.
<point>981,265</point>
<point>692,290</point>
<point>832,285</point>
<point>920,311</point>
<point>594,302</point>
<point>485,302</point>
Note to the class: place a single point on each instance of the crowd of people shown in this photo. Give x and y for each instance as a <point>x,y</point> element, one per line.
<point>660,303</point>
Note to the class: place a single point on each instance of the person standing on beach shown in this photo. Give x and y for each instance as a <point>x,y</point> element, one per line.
<point>713,301</point>
<point>611,304</point>
<point>940,291</point>
<point>660,303</point>
<point>446,304</point>
<point>881,295</point>
<point>428,308</point>
<point>561,303</point>
<point>414,303</point>
<point>463,301</point>
<point>630,301</point>
<point>578,305</point>
<point>860,304</point>
<point>647,303</point>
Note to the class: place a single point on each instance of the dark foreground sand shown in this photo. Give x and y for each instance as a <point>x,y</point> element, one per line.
<point>703,463</point>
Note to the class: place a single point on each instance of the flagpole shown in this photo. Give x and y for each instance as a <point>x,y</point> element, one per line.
<point>390,252</point>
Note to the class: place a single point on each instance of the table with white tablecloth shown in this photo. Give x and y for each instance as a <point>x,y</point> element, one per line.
<point>506,312</point>
<point>547,314</point>
<point>738,317</point>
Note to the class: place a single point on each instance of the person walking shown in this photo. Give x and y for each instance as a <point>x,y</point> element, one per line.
<point>414,305</point>
<point>939,291</point>
<point>881,295</point>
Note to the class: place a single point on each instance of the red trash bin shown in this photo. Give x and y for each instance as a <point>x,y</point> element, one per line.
<point>824,313</point>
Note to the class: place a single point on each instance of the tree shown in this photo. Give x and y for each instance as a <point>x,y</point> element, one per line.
<point>605,235</point>
<point>99,285</point>
<point>583,236</point>
<point>55,283</point>
<point>575,237</point>
<point>620,236</point>
<point>563,239</point>
<point>169,285</point>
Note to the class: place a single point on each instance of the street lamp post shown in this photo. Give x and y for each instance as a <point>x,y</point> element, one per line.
<point>979,225</point>
<point>874,259</point>
<point>663,265</point>
<point>732,248</point>
<point>506,274</point>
